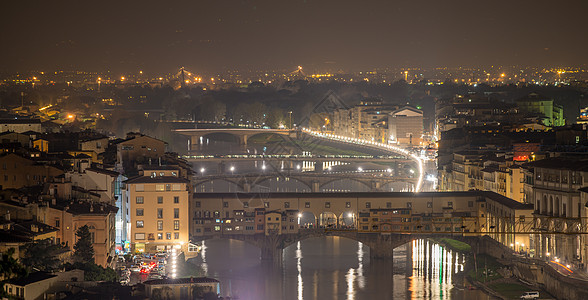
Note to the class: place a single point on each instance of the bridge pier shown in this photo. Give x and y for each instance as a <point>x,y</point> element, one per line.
<point>315,186</point>
<point>271,249</point>
<point>376,186</point>
<point>247,187</point>
<point>318,166</point>
<point>243,140</point>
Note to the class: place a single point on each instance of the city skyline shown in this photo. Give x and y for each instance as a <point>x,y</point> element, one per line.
<point>210,36</point>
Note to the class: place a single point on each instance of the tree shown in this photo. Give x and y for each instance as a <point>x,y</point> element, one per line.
<point>42,255</point>
<point>83,249</point>
<point>9,266</point>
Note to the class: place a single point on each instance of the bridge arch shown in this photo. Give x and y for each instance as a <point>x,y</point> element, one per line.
<point>272,179</point>
<point>222,185</point>
<point>324,186</point>
<point>328,219</point>
<point>284,137</point>
<point>233,137</point>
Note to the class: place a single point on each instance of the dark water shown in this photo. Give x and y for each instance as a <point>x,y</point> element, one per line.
<point>337,268</point>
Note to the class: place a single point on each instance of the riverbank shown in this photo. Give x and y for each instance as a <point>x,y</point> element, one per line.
<point>489,274</point>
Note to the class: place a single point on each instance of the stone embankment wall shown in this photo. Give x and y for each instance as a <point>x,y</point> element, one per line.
<point>535,272</point>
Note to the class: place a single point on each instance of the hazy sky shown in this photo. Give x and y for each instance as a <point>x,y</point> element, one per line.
<point>215,35</point>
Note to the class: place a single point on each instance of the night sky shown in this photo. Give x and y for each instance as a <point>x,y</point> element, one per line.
<point>218,35</point>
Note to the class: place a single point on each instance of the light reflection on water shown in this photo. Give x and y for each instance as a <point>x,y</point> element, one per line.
<point>337,268</point>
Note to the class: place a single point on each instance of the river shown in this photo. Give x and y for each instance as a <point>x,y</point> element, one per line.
<point>336,268</point>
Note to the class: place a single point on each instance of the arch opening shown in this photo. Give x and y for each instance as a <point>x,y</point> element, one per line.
<point>217,185</point>
<point>345,185</point>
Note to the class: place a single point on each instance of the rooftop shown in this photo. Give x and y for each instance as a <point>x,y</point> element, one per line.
<point>31,278</point>
<point>181,280</point>
<point>157,179</point>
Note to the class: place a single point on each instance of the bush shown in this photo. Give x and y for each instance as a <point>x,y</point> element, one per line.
<point>93,272</point>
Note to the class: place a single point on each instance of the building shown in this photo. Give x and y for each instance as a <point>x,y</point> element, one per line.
<point>33,287</point>
<point>182,288</point>
<point>20,125</point>
<point>18,172</point>
<point>548,112</point>
<point>405,126</point>
<point>158,211</point>
<point>555,193</point>
<point>138,149</point>
<point>363,121</point>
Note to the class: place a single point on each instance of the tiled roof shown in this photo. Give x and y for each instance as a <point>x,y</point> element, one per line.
<point>181,280</point>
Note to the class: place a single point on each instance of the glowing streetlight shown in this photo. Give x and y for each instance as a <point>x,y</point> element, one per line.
<point>232,169</point>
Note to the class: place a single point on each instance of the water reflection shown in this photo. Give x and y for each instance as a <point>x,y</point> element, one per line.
<point>337,268</point>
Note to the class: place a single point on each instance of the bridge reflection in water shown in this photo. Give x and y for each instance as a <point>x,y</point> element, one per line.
<point>337,268</point>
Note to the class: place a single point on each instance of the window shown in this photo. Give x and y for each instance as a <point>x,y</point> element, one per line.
<point>176,235</point>
<point>409,204</point>
<point>159,200</point>
<point>139,200</point>
<point>327,204</point>
<point>57,223</point>
<point>153,174</point>
<point>176,199</point>
<point>168,187</point>
<point>168,235</point>
<point>450,204</point>
<point>259,227</point>
<point>245,204</point>
<point>388,204</point>
<point>139,188</point>
<point>139,236</point>
<point>347,204</point>
<point>161,174</point>
<point>159,225</point>
<point>139,224</point>
<point>307,204</point>
<point>429,204</point>
<point>225,204</point>
<point>216,228</point>
<point>176,187</point>
<point>176,225</point>
<point>160,236</point>
<point>159,187</point>
<point>160,213</point>
<point>139,212</point>
<point>286,204</point>
<point>198,204</point>
<point>176,213</point>
<point>174,173</point>
<point>368,205</point>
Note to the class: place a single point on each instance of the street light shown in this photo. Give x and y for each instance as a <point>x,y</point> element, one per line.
<point>202,171</point>
<point>232,170</point>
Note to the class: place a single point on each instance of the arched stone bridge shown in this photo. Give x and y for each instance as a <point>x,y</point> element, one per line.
<point>381,245</point>
<point>243,134</point>
<point>314,181</point>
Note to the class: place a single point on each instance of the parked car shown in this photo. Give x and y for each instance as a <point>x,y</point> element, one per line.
<point>530,295</point>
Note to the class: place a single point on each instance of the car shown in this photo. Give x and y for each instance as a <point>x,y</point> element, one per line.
<point>135,269</point>
<point>530,295</point>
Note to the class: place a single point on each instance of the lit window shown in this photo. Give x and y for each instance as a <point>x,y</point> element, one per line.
<point>139,224</point>
<point>176,225</point>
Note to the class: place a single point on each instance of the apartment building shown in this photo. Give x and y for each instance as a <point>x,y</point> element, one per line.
<point>158,210</point>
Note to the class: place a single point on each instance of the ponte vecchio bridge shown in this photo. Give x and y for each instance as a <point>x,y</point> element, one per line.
<point>382,221</point>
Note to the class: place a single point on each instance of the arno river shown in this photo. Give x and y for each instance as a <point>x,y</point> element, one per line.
<point>329,267</point>
<point>337,268</point>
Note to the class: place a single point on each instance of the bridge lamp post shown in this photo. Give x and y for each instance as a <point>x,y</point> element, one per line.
<point>232,170</point>
<point>202,171</point>
<point>359,169</point>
